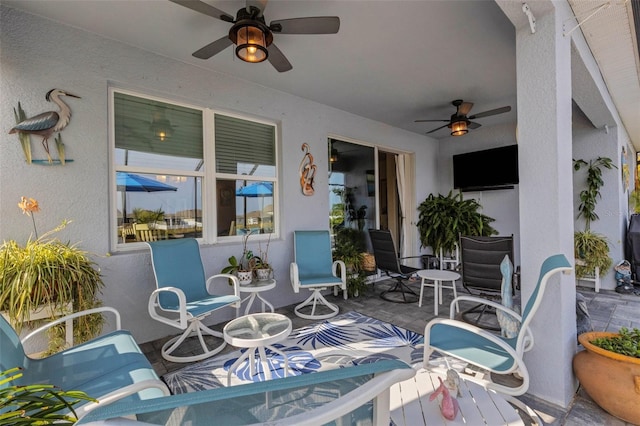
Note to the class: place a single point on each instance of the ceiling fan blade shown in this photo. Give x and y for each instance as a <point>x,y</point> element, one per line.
<point>464,108</point>
<point>491,112</point>
<point>473,125</point>
<point>213,48</point>
<point>310,25</point>
<point>425,121</point>
<point>259,4</point>
<point>437,128</point>
<point>204,8</point>
<point>277,59</point>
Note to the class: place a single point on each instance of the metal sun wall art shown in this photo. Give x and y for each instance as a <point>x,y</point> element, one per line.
<point>307,171</point>
<point>44,125</point>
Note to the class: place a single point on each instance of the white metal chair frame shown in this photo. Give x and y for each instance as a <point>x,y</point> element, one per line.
<point>514,348</point>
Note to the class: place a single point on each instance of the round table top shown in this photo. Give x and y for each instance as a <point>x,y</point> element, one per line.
<point>254,330</point>
<point>257,286</point>
<point>438,274</point>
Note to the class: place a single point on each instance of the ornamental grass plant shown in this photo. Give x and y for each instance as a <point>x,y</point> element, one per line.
<point>47,271</point>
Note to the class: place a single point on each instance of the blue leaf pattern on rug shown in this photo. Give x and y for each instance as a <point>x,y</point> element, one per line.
<point>339,342</point>
<point>300,362</point>
<point>388,335</point>
<point>327,334</point>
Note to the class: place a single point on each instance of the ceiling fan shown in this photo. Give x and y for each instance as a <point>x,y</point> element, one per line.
<point>459,123</point>
<point>251,35</point>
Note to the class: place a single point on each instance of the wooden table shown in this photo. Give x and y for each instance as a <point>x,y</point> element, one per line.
<point>410,405</point>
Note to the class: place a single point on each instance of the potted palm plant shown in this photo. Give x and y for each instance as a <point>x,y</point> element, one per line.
<point>443,218</point>
<point>47,272</point>
<point>591,249</point>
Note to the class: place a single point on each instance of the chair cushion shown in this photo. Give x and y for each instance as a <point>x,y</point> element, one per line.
<point>310,280</point>
<point>210,304</point>
<point>471,347</point>
<point>97,367</point>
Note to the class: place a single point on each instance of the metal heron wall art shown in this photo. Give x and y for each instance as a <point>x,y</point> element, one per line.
<point>47,123</point>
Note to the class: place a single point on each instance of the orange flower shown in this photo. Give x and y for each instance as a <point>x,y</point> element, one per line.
<point>28,206</point>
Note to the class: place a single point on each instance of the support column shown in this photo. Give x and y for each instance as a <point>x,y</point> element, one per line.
<point>546,190</point>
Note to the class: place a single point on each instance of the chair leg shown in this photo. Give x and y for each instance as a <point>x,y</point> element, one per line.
<point>408,295</point>
<point>314,300</point>
<point>195,329</point>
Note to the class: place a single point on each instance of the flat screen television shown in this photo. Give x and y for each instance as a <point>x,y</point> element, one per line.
<point>495,168</point>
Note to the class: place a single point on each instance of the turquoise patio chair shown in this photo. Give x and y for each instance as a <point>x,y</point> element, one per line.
<point>487,350</point>
<point>110,367</point>
<point>313,269</point>
<point>183,290</point>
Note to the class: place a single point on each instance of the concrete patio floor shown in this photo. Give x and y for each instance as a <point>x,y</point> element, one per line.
<point>608,310</point>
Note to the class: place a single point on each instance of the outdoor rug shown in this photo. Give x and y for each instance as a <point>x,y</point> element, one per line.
<point>342,341</point>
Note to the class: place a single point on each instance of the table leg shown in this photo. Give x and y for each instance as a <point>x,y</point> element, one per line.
<point>455,294</point>
<point>251,299</point>
<point>235,365</point>
<point>264,301</point>
<point>422,283</point>
<point>284,357</point>
<point>265,364</point>
<point>435,297</point>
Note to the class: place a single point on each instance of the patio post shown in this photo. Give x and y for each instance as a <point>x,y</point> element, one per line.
<point>543,65</point>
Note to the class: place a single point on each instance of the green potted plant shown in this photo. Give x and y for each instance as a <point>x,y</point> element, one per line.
<point>591,249</point>
<point>47,272</point>
<point>36,404</point>
<point>350,247</point>
<point>260,264</point>
<point>609,371</point>
<point>443,218</point>
<point>241,267</point>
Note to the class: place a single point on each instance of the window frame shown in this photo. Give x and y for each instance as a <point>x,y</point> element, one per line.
<point>208,176</point>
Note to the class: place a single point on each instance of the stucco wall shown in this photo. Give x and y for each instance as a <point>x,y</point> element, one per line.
<point>38,55</point>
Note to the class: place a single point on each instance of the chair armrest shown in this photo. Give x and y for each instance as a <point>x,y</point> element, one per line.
<point>229,277</point>
<point>69,320</point>
<point>294,276</point>
<point>343,272</point>
<point>118,394</point>
<point>154,305</point>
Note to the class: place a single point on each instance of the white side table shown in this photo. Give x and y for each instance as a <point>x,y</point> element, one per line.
<point>437,276</point>
<point>257,332</point>
<point>255,288</point>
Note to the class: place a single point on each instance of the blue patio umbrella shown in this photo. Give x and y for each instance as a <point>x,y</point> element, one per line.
<point>254,190</point>
<point>258,189</point>
<point>130,182</point>
<point>135,183</point>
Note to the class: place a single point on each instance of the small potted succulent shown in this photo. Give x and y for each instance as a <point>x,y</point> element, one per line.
<point>609,371</point>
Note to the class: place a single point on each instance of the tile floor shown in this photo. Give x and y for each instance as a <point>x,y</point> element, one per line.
<point>608,310</point>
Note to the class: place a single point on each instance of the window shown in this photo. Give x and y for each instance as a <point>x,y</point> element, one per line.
<point>163,188</point>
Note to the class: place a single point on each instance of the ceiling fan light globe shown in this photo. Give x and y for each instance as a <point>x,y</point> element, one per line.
<point>251,42</point>
<point>459,128</point>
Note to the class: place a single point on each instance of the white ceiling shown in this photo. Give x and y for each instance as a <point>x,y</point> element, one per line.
<point>393,61</point>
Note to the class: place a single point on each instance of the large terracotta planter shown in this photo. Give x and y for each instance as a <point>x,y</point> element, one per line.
<point>610,379</point>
